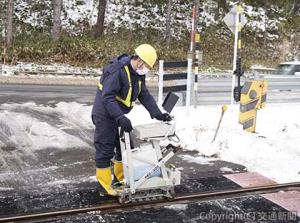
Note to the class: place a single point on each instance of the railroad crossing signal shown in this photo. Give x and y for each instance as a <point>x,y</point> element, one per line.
<point>253,97</point>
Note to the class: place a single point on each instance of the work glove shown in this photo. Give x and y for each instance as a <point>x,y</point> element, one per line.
<point>125,123</point>
<point>163,117</point>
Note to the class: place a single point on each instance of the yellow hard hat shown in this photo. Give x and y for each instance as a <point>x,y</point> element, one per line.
<point>147,53</point>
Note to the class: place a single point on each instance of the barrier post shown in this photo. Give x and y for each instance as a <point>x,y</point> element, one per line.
<point>197,62</point>
<point>160,81</point>
<point>189,79</point>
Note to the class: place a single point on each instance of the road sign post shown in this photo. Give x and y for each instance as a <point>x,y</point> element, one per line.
<point>235,20</point>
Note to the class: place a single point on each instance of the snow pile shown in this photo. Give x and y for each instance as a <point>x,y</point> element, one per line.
<point>273,151</point>
<point>27,128</point>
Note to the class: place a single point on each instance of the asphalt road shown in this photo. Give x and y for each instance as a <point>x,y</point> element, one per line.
<point>210,91</point>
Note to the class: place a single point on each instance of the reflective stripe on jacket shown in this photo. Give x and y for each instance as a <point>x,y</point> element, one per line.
<point>120,88</point>
<point>127,101</point>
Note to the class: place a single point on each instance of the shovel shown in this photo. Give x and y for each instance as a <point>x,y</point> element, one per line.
<point>224,108</point>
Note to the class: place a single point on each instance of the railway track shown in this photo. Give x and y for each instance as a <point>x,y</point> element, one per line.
<point>183,199</point>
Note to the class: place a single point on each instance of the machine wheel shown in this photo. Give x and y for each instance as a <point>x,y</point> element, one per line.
<point>172,166</point>
<point>171,193</point>
<point>124,198</point>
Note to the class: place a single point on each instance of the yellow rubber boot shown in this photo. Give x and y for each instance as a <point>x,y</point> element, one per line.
<point>104,177</point>
<point>118,170</point>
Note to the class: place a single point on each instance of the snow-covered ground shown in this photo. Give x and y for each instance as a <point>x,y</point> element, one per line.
<point>274,151</point>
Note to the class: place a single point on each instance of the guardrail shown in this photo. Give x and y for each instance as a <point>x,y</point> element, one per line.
<point>262,70</point>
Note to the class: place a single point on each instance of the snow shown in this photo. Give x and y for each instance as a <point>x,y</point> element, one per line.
<point>296,62</point>
<point>177,207</point>
<point>129,15</point>
<point>89,179</point>
<point>54,70</point>
<point>226,169</point>
<point>272,151</point>
<point>260,21</point>
<point>6,188</point>
<point>23,127</point>
<point>60,182</point>
<point>199,160</point>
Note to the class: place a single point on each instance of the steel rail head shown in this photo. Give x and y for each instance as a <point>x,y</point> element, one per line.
<point>196,197</point>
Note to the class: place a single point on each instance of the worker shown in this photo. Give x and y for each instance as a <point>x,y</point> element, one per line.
<point>122,82</point>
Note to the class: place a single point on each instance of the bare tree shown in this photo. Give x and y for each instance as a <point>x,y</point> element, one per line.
<point>168,22</point>
<point>223,4</point>
<point>99,27</point>
<point>57,6</point>
<point>296,8</point>
<point>9,23</point>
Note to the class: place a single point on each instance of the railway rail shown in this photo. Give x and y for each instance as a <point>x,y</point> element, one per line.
<point>182,199</point>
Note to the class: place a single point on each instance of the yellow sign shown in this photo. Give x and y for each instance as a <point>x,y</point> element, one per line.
<point>197,37</point>
<point>253,97</point>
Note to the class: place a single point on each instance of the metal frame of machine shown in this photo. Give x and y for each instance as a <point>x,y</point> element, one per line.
<point>149,186</point>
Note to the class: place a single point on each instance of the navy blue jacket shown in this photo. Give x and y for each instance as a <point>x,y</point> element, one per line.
<point>115,83</point>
